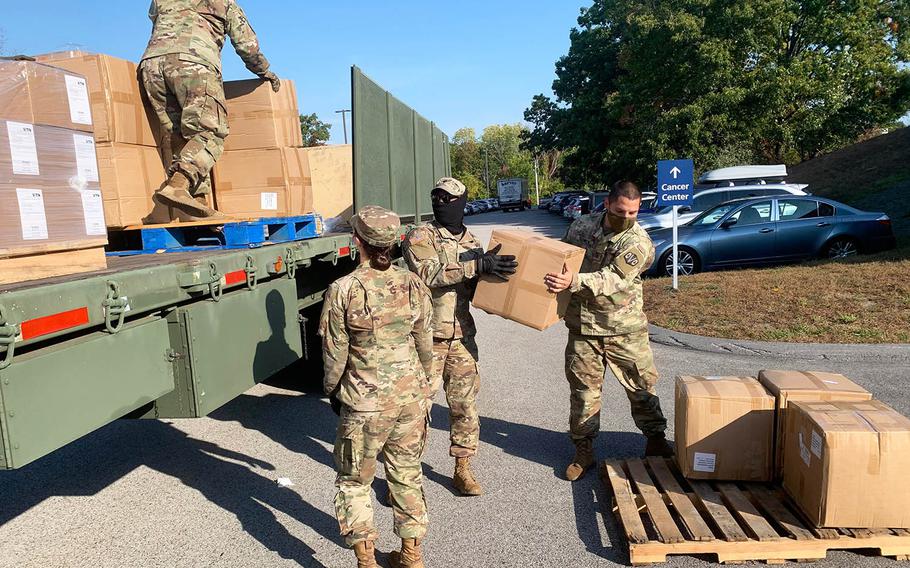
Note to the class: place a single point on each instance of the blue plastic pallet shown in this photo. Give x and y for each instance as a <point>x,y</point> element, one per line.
<point>228,235</point>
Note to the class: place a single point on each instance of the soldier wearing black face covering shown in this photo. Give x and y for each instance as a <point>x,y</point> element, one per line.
<point>449,259</point>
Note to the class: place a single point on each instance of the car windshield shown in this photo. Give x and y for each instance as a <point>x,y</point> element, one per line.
<point>712,216</point>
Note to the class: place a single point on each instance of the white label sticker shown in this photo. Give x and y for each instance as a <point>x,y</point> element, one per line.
<point>86,159</point>
<point>817,444</point>
<point>31,214</point>
<point>77,92</point>
<point>22,148</point>
<point>93,210</point>
<point>270,201</point>
<point>704,462</point>
<point>804,451</point>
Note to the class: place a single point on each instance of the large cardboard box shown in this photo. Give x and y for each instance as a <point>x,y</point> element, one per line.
<point>332,180</point>
<point>118,106</point>
<point>258,117</point>
<point>268,182</point>
<point>812,386</point>
<point>49,194</point>
<point>524,298</point>
<point>34,93</point>
<point>130,175</point>
<point>724,428</point>
<point>846,464</point>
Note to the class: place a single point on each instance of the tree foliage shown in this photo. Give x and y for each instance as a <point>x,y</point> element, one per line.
<point>723,82</point>
<point>315,132</point>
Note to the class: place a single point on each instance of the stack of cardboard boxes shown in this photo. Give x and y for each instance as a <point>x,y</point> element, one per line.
<point>51,215</point>
<point>130,165</point>
<point>840,455</point>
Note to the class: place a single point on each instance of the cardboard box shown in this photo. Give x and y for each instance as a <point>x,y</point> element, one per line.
<point>258,117</point>
<point>524,298</point>
<point>724,428</point>
<point>811,386</point>
<point>847,463</point>
<point>130,174</point>
<point>49,194</point>
<point>118,105</point>
<point>332,180</point>
<point>40,94</point>
<point>269,182</point>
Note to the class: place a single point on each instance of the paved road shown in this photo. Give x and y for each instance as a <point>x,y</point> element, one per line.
<point>199,493</point>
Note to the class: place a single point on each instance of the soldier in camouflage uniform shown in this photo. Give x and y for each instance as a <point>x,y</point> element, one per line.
<point>447,257</point>
<point>607,326</point>
<point>378,348</point>
<point>181,74</point>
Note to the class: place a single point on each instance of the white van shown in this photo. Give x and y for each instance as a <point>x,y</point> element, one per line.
<point>717,186</point>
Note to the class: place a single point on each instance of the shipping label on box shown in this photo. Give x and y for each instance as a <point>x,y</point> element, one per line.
<point>790,385</point>
<point>40,94</point>
<point>724,428</point>
<point>846,463</point>
<point>524,298</point>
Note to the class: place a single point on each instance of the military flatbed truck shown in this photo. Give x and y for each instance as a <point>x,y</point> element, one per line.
<point>179,335</point>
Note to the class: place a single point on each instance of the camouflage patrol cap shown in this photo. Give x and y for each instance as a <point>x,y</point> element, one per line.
<point>451,186</point>
<point>376,225</point>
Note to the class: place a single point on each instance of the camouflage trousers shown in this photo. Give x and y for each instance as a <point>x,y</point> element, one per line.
<point>188,99</point>
<point>400,435</point>
<point>455,369</point>
<point>630,358</point>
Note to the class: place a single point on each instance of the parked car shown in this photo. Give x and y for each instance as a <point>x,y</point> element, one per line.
<point>562,199</point>
<point>705,199</point>
<point>771,230</point>
<point>576,207</point>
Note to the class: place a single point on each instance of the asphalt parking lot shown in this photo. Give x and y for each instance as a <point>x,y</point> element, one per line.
<point>200,493</point>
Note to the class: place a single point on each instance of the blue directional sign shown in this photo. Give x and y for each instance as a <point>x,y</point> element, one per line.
<point>675,182</point>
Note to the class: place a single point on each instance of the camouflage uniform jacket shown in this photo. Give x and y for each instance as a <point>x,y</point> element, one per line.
<point>195,30</point>
<point>607,294</point>
<point>448,266</point>
<point>377,340</point>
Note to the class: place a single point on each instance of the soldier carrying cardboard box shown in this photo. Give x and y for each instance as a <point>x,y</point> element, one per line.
<point>181,73</point>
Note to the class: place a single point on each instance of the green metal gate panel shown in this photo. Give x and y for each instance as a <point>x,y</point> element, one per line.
<point>59,394</point>
<point>242,340</point>
<point>398,154</point>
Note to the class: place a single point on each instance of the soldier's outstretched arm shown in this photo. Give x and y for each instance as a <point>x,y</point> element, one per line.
<point>244,40</point>
<point>334,333</point>
<point>423,327</point>
<point>619,275</point>
<point>423,260</point>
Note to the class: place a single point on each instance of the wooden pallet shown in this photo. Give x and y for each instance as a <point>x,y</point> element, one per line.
<point>51,264</point>
<point>662,514</point>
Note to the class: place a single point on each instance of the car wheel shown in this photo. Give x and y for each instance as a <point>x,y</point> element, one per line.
<point>689,263</point>
<point>841,248</point>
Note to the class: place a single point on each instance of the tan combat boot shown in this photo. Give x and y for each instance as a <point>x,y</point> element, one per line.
<point>464,479</point>
<point>409,557</point>
<point>366,554</point>
<point>177,194</point>
<point>584,459</point>
<point>214,215</point>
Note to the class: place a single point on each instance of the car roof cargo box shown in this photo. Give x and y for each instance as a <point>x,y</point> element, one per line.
<point>757,174</point>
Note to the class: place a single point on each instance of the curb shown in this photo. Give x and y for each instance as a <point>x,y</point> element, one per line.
<point>893,353</point>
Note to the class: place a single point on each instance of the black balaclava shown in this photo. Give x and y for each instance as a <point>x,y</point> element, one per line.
<point>451,215</point>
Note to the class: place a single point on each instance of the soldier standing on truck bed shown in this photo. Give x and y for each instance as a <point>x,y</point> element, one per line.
<point>607,326</point>
<point>377,340</point>
<point>181,73</point>
<point>447,257</point>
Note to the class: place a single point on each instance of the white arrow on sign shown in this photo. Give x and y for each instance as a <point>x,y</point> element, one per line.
<point>675,171</point>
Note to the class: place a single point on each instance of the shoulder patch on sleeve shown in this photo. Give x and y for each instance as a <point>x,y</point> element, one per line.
<point>631,261</point>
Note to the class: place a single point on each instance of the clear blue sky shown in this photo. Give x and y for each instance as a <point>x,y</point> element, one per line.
<point>466,63</point>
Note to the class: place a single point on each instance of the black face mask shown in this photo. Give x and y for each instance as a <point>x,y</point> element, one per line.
<point>451,215</point>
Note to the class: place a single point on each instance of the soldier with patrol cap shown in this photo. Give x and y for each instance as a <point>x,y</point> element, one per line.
<point>447,257</point>
<point>378,349</point>
<point>181,74</point>
<point>607,327</point>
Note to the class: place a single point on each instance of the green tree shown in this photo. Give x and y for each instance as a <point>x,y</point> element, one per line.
<point>315,132</point>
<point>722,82</point>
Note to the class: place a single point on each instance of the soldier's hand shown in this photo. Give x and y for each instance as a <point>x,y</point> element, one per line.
<point>499,265</point>
<point>273,79</point>
<point>557,282</point>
